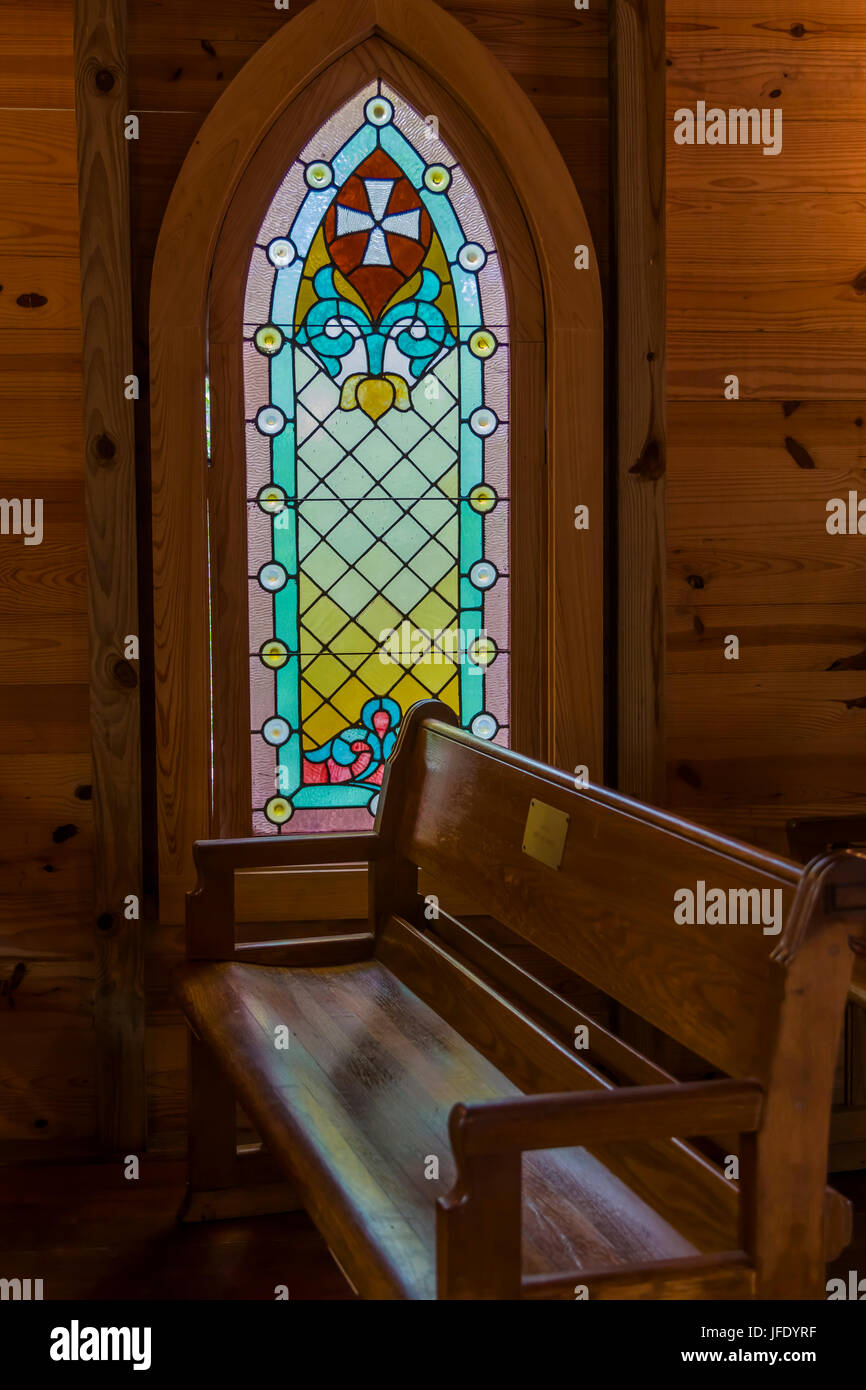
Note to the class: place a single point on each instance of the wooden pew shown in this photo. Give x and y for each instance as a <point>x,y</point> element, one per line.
<point>435,1109</point>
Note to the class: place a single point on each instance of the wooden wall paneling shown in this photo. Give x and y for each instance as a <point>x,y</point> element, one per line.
<point>637,36</point>
<point>816,159</point>
<point>47,227</point>
<point>46,932</point>
<point>822,23</point>
<point>47,1079</point>
<point>101,101</point>
<point>764,256</point>
<point>775,637</point>
<point>813,83</point>
<point>824,365</point>
<point>38,144</point>
<point>40,293</point>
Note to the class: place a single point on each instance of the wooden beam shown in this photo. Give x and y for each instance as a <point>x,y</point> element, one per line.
<point>638,89</point>
<point>103,181</point>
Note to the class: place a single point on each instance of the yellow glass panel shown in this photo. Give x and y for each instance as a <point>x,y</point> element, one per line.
<point>408,691</point>
<point>352,639</point>
<point>325,619</point>
<point>325,674</point>
<point>310,700</point>
<point>432,614</point>
<point>449,587</point>
<point>351,700</point>
<point>310,645</point>
<point>324,724</point>
<point>379,676</point>
<point>433,674</point>
<point>450,694</point>
<point>379,616</point>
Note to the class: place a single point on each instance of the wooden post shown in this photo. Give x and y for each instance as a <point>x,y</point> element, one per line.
<point>103,181</point>
<point>638,90</point>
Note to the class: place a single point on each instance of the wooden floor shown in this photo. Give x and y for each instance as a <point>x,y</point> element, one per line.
<point>88,1233</point>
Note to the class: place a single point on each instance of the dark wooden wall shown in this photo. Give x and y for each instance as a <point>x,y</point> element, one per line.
<point>766,266</point>
<point>182,55</point>
<point>46,933</point>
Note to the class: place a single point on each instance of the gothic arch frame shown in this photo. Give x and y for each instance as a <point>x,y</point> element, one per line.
<point>572,567</point>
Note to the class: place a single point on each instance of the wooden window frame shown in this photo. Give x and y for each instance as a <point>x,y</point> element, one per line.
<point>538,220</point>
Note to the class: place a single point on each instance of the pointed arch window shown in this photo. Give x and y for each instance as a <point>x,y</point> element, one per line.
<point>328,264</point>
<point>376,382</point>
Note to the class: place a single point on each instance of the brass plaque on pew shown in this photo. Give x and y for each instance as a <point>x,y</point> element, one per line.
<point>544,833</point>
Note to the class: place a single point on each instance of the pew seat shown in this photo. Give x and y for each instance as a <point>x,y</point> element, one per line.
<point>363,1096</point>
<point>455,1125</point>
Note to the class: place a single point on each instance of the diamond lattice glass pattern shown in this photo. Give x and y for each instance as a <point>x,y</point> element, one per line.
<point>376,401</point>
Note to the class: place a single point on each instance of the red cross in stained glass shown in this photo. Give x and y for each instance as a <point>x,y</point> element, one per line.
<point>377,230</point>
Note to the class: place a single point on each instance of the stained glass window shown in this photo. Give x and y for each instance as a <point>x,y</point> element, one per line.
<point>376,390</point>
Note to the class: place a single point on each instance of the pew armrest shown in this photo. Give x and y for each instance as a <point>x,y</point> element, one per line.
<point>593,1118</point>
<point>210,907</point>
<point>478,1223</point>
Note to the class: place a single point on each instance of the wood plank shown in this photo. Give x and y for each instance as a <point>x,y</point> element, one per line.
<point>45,826</point>
<point>58,653</point>
<point>24,371</point>
<point>39,292</point>
<point>816,158</point>
<point>35,717</point>
<point>38,145</point>
<point>152,20</point>
<point>823,301</point>
<point>47,226</point>
<point>824,365</point>
<point>767,715</point>
<point>46,1076</point>
<point>752,240</point>
<point>61,438</point>
<point>835,429</point>
<point>48,991</point>
<point>639,196</point>
<point>817,23</point>
<point>55,926</point>
<point>69,1214</point>
<point>806,84</point>
<point>746,796</point>
<point>696,1277</point>
<point>32,77</point>
<point>557,58</point>
<point>773,637</point>
<point>100,47</point>
<point>45,581</point>
<point>720,565</point>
